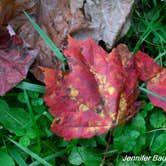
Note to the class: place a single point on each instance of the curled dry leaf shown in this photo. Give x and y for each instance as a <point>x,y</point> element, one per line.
<point>99,91</point>
<point>155,77</point>
<point>15,60</point>
<point>104,20</point>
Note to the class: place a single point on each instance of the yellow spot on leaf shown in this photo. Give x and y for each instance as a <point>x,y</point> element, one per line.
<point>93,129</point>
<point>156,79</point>
<point>101,87</point>
<point>74,92</point>
<point>84,107</point>
<point>112,115</point>
<point>104,84</point>
<point>102,115</point>
<point>101,78</point>
<point>98,123</point>
<point>111,90</point>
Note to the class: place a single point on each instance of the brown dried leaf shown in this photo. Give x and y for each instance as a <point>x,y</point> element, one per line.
<point>104,20</point>
<point>108,20</point>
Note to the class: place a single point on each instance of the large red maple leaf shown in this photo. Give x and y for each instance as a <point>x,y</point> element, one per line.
<point>98,92</point>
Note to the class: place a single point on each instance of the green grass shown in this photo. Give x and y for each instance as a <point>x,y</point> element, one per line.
<point>25,136</point>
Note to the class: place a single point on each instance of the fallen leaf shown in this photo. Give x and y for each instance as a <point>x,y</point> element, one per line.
<point>97,93</point>
<point>15,60</point>
<point>77,18</point>
<point>154,76</point>
<point>108,20</point>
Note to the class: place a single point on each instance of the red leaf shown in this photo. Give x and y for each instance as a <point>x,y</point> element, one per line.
<point>97,93</point>
<point>146,66</point>
<point>15,60</point>
<point>154,75</point>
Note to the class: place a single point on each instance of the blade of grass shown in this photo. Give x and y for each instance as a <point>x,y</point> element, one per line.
<point>33,121</point>
<point>31,87</point>
<point>152,93</point>
<point>29,152</point>
<point>160,55</point>
<point>57,154</point>
<point>17,157</point>
<point>149,29</point>
<point>162,39</point>
<point>48,41</point>
<point>160,129</point>
<point>152,139</point>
